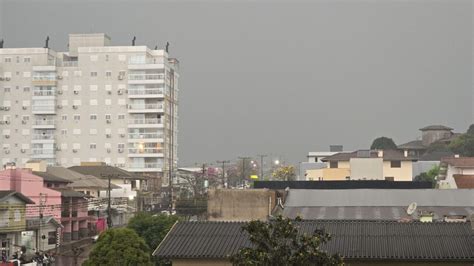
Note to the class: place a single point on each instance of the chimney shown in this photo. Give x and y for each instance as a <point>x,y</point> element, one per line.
<point>405,153</point>
<point>380,153</point>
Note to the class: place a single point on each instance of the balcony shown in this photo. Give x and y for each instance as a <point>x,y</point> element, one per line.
<point>145,93</point>
<point>146,108</point>
<point>145,123</point>
<point>146,167</point>
<point>44,79</point>
<point>145,78</point>
<point>41,151</point>
<point>42,138</point>
<point>41,123</point>
<point>70,63</point>
<point>145,152</point>
<point>145,135</point>
<point>43,109</point>
<point>42,93</point>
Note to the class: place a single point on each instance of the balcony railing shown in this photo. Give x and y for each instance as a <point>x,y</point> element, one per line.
<point>41,136</point>
<point>40,151</point>
<point>144,150</point>
<point>146,76</point>
<point>145,121</point>
<point>47,122</point>
<point>70,63</point>
<point>147,91</point>
<point>44,92</point>
<point>147,165</point>
<point>149,106</point>
<point>44,78</point>
<point>145,136</point>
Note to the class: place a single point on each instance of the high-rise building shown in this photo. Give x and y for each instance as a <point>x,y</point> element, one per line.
<point>94,103</point>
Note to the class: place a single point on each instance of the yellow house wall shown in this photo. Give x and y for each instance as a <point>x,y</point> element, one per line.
<point>314,174</point>
<point>404,173</point>
<point>336,173</point>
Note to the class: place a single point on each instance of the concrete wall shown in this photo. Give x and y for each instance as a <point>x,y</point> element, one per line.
<point>404,173</point>
<point>366,168</point>
<point>422,167</point>
<point>239,205</point>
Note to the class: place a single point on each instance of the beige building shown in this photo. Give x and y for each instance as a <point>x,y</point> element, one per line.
<point>365,165</point>
<point>94,102</point>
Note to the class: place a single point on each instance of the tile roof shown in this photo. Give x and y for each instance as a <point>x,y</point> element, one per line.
<point>51,177</point>
<point>101,171</point>
<point>5,194</point>
<point>380,197</point>
<point>79,180</point>
<point>72,193</point>
<point>464,181</point>
<point>435,127</point>
<point>388,155</point>
<point>467,162</point>
<point>343,184</point>
<point>435,155</point>
<point>394,213</point>
<point>414,145</point>
<point>361,240</point>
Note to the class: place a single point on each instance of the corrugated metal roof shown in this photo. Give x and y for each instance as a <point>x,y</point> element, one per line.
<point>372,213</point>
<point>343,184</point>
<point>380,197</point>
<point>354,240</point>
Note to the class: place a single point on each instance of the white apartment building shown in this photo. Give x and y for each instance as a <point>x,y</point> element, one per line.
<point>93,103</point>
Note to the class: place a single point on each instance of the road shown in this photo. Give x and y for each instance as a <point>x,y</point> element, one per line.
<point>68,258</point>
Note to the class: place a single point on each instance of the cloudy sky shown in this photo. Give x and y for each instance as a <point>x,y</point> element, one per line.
<point>285,77</point>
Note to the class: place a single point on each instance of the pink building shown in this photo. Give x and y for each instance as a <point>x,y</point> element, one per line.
<point>32,186</point>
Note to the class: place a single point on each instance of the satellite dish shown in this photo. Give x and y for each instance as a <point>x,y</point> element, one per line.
<point>411,208</point>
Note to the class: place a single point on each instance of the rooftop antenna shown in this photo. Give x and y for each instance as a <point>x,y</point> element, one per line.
<point>133,40</point>
<point>411,208</point>
<point>167,46</point>
<point>1,43</point>
<point>46,45</point>
<point>156,47</point>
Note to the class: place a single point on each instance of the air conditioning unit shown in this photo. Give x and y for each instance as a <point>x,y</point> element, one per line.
<point>24,107</point>
<point>109,121</point>
<point>7,151</point>
<point>58,148</point>
<point>120,77</point>
<point>76,92</point>
<point>108,136</point>
<point>59,106</point>
<point>2,108</point>
<point>23,122</point>
<point>120,92</point>
<point>74,150</point>
<point>23,150</point>
<point>1,78</point>
<point>7,78</point>
<point>7,136</point>
<point>60,92</point>
<point>122,135</point>
<point>2,122</point>
<point>108,150</point>
<point>109,92</point>
<point>59,77</point>
<point>7,122</point>
<point>6,108</point>
<point>120,150</point>
<point>75,107</point>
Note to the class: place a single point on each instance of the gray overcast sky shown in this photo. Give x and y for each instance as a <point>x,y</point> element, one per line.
<point>288,77</point>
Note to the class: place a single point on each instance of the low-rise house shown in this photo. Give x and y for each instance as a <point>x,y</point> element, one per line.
<point>392,165</point>
<point>456,172</point>
<point>429,160</point>
<point>12,220</point>
<point>74,215</point>
<point>434,134</point>
<point>378,204</point>
<point>358,242</point>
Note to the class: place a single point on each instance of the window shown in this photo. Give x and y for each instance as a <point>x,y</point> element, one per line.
<point>6,89</point>
<point>333,164</point>
<point>64,117</point>
<point>92,146</point>
<point>106,57</point>
<point>77,117</point>
<point>18,59</point>
<point>93,117</point>
<point>63,132</point>
<point>94,58</point>
<point>26,89</point>
<point>121,116</point>
<point>8,59</point>
<point>395,164</point>
<point>26,59</point>
<point>108,117</point>
<point>108,74</point>
<point>52,236</point>
<point>25,117</point>
<point>121,145</point>
<point>93,74</point>
<point>389,178</point>
<point>77,73</point>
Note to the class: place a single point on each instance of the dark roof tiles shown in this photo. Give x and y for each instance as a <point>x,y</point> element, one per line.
<point>353,239</point>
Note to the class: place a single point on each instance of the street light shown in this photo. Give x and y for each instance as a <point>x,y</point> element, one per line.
<point>276,162</point>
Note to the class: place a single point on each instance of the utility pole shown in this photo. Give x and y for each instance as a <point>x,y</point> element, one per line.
<point>261,164</point>
<point>42,201</point>
<point>224,182</point>
<point>243,167</point>
<point>109,199</point>
<point>204,178</point>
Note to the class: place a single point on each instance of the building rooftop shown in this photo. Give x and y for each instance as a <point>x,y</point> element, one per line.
<point>464,181</point>
<point>68,193</point>
<point>345,184</point>
<point>464,162</point>
<point>77,179</point>
<point>435,155</point>
<point>51,177</point>
<point>388,155</point>
<point>5,194</point>
<point>353,239</point>
<point>103,171</point>
<point>436,127</point>
<point>413,145</point>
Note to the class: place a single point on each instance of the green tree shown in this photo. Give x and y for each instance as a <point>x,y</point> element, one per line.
<point>152,228</point>
<point>470,130</point>
<point>284,173</point>
<point>277,242</point>
<point>463,145</point>
<point>383,143</point>
<point>119,246</point>
<point>438,146</point>
<point>430,176</point>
